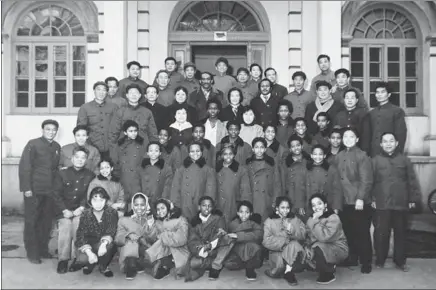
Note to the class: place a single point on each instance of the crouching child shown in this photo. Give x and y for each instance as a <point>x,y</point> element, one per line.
<point>246,231</point>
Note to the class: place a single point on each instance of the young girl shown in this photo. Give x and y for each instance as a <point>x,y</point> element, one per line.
<point>111,184</point>
<point>233,112</point>
<point>335,146</point>
<point>169,236</point>
<point>131,236</point>
<point>192,180</point>
<point>208,149</point>
<point>243,149</point>
<point>170,154</point>
<point>181,131</point>
<point>295,182</point>
<point>328,245</point>
<point>323,178</point>
<point>249,128</point>
<point>246,231</point>
<point>282,234</point>
<point>301,131</point>
<point>274,148</point>
<point>95,235</point>
<point>154,177</point>
<point>128,156</point>
<point>285,124</point>
<point>264,177</point>
<point>356,178</point>
<point>232,181</point>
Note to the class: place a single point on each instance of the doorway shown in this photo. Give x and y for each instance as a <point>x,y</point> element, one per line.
<point>205,56</point>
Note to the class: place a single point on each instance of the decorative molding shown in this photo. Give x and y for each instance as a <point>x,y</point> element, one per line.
<point>431,39</point>
<point>143,30</point>
<point>92,38</point>
<point>345,55</point>
<point>345,40</point>
<point>294,49</point>
<point>93,51</point>
<point>143,12</point>
<point>294,12</point>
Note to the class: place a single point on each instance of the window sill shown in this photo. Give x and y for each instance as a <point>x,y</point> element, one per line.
<point>40,114</point>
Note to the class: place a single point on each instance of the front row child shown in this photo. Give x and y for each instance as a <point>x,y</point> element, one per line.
<point>396,190</point>
<point>246,231</point>
<point>96,233</point>
<point>208,242</point>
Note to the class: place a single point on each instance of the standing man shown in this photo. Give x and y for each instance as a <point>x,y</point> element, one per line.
<point>265,106</point>
<point>249,92</point>
<point>134,69</point>
<point>277,90</point>
<point>37,173</point>
<point>190,82</point>
<point>96,115</point>
<point>175,77</point>
<point>166,93</point>
<point>326,73</point>
<point>112,93</point>
<point>222,81</point>
<point>299,97</point>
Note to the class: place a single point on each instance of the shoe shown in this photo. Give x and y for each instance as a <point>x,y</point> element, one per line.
<point>130,274</point>
<point>161,273</point>
<point>214,274</point>
<point>404,267</point>
<point>366,268</point>
<point>130,267</point>
<point>271,275</point>
<point>34,261</point>
<point>62,267</point>
<point>290,278</point>
<point>107,272</point>
<point>325,278</point>
<point>88,268</point>
<point>250,274</point>
<point>75,266</point>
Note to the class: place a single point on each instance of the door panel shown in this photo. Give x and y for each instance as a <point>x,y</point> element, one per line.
<point>180,51</point>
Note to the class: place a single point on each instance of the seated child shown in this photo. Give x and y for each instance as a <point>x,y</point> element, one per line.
<point>127,157</point>
<point>274,148</point>
<point>208,241</point>
<point>208,149</point>
<point>131,236</point>
<point>192,180</point>
<point>335,144</point>
<point>95,235</point>
<point>322,136</point>
<point>265,178</point>
<point>170,153</point>
<point>282,234</point>
<point>246,231</point>
<point>285,124</point>
<point>154,177</point>
<point>232,181</point>
<point>70,199</point>
<point>294,185</point>
<point>328,245</point>
<point>169,237</point>
<point>243,149</point>
<point>111,184</point>
<point>249,128</point>
<point>301,131</point>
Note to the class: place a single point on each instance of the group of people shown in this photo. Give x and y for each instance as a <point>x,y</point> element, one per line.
<point>198,175</point>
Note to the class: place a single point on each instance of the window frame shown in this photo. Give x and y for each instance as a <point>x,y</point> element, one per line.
<point>50,42</point>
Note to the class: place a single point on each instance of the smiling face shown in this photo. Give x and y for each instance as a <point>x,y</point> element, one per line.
<point>206,81</point>
<point>322,122</point>
<point>388,143</point>
<point>296,148</point>
<point>161,210</point>
<point>324,64</point>
<point>213,110</point>
<point>151,94</point>
<point>265,88</point>
<point>242,77</point>
<point>271,75</point>
<point>206,207</point>
<point>153,152</point>
<point>235,98</point>
<point>318,156</point>
<point>228,156</point>
<point>139,205</point>
<point>189,72</point>
<point>221,67</point>
<point>248,117</point>
<point>350,100</point>
<point>283,209</point>
<point>318,205</point>
<point>81,136</point>
<point>323,93</point>
<point>259,150</point>
<point>134,71</point>
<point>342,80</point>
<point>170,65</point>
<point>180,96</point>
<point>106,169</point>
<point>133,96</point>
<point>244,213</point>
<point>300,128</point>
<point>49,131</point>
<point>270,134</point>
<point>335,140</point>
<point>198,133</point>
<point>98,202</point>
<point>79,159</point>
<point>349,139</point>
<point>181,116</point>
<point>163,137</point>
<point>195,152</point>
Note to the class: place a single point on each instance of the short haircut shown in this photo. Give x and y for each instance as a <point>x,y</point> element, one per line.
<point>323,56</point>
<point>268,69</point>
<point>342,71</point>
<point>299,74</point>
<point>129,64</point>
<point>214,101</point>
<point>209,73</point>
<point>223,60</point>
<point>269,125</point>
<point>228,146</point>
<point>294,137</point>
<point>81,127</point>
<point>195,143</point>
<point>164,129</point>
<point>281,199</point>
<point>154,143</point>
<point>388,133</point>
<point>81,149</point>
<point>243,69</point>
<point>152,86</point>
<point>198,125</point>
<point>323,114</point>
<point>259,139</point>
<point>98,190</point>
<point>323,84</point>
<point>133,86</point>
<point>264,80</point>
<point>356,93</point>
<point>170,58</point>
<point>110,79</point>
<point>245,109</point>
<point>246,203</point>
<point>50,122</point>
<point>206,197</point>
<point>384,85</point>
<point>108,160</point>
<point>181,88</point>
<point>161,71</point>
<point>319,146</point>
<point>258,65</point>
<point>286,103</point>
<point>241,97</point>
<point>99,83</point>
<point>317,195</point>
<point>128,124</point>
<point>234,123</point>
<point>300,119</point>
<point>337,131</point>
<point>352,129</point>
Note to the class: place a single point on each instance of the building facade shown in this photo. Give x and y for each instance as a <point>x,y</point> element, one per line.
<point>54,51</point>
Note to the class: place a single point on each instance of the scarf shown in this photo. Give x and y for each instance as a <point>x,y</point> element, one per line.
<point>323,107</point>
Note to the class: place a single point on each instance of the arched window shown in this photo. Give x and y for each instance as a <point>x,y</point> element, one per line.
<point>218,16</point>
<point>50,61</point>
<point>385,47</point>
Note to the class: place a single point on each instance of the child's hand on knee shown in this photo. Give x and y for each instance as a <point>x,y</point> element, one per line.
<point>102,250</point>
<point>92,258</point>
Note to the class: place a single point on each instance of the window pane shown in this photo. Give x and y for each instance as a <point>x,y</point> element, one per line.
<point>357,69</point>
<point>357,54</point>
<point>411,86</point>
<point>41,69</point>
<point>60,85</point>
<point>393,69</point>
<point>22,68</point>
<point>41,52</point>
<point>410,100</point>
<point>60,69</point>
<point>60,52</point>
<point>60,100</point>
<point>372,101</point>
<point>374,70</point>
<point>22,86</point>
<point>41,100</point>
<point>79,85</point>
<point>22,53</point>
<point>395,99</point>
<point>40,85</point>
<point>394,86</point>
<point>79,69</point>
<point>374,54</point>
<point>411,69</point>
<point>22,100</point>
<point>78,99</point>
<point>393,54</point>
<point>410,53</point>
<point>358,85</point>
<point>79,52</point>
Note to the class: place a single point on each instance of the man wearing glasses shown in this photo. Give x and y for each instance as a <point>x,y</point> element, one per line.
<point>199,97</point>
